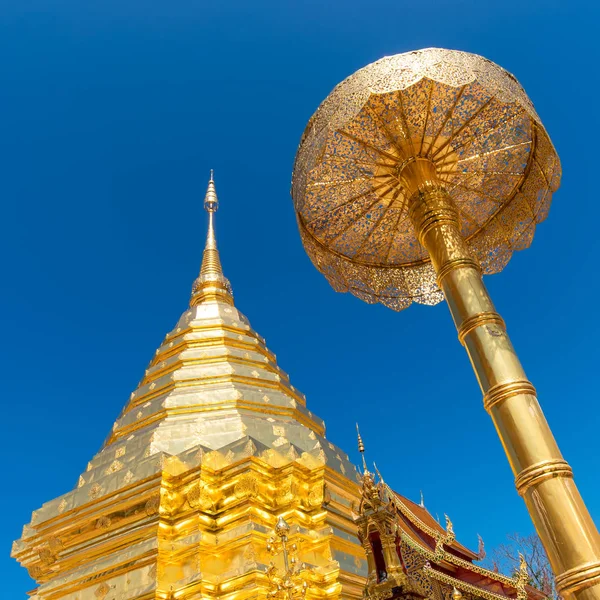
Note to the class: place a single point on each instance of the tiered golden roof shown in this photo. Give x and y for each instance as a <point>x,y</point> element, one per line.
<point>214,445</point>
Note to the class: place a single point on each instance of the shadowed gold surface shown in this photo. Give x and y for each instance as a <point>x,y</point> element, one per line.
<point>470,119</point>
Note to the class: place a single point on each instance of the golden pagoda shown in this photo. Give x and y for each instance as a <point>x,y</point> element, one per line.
<point>213,447</point>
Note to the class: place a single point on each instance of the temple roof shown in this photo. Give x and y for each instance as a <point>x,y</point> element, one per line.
<point>425,525</point>
<point>427,548</point>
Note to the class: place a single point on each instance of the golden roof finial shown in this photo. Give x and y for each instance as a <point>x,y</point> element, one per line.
<point>521,578</point>
<point>361,449</point>
<point>378,473</point>
<point>211,284</point>
<point>450,535</point>
<point>481,548</point>
<point>456,594</point>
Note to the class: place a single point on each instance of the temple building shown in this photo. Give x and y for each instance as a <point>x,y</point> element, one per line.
<point>213,452</point>
<point>411,556</point>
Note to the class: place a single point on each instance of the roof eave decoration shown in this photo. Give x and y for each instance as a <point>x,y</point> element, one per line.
<point>412,555</point>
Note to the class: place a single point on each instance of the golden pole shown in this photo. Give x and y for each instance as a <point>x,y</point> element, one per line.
<point>543,478</point>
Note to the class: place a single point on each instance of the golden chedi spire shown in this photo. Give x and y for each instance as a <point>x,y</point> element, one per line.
<point>211,284</point>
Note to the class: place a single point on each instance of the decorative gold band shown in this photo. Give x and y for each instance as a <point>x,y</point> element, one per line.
<point>431,208</point>
<point>579,578</point>
<point>547,469</point>
<point>482,318</point>
<point>502,391</point>
<point>456,263</point>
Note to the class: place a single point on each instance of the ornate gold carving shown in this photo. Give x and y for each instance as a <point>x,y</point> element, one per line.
<point>103,522</point>
<point>326,495</point>
<point>476,591</point>
<point>102,591</point>
<point>199,496</point>
<point>62,506</point>
<point>55,544</point>
<point>521,578</point>
<point>289,583</point>
<point>115,466</point>
<point>193,495</point>
<point>172,500</point>
<point>246,486</point>
<point>286,491</point>
<point>95,491</point>
<point>152,505</point>
<point>450,536</point>
<point>315,496</point>
<point>46,556</point>
<point>35,571</point>
<point>249,449</point>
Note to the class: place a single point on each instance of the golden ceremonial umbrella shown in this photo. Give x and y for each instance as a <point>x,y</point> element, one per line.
<point>418,174</point>
<point>464,114</point>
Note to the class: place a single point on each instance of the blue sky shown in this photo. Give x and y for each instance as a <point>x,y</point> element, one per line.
<point>112,114</point>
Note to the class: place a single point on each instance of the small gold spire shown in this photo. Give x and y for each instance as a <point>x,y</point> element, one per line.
<point>361,449</point>
<point>456,594</point>
<point>211,284</point>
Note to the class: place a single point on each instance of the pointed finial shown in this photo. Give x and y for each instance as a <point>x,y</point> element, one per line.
<point>522,578</point>
<point>422,503</point>
<point>282,528</point>
<point>481,548</point>
<point>450,535</point>
<point>361,449</point>
<point>211,202</point>
<point>211,284</point>
<point>456,594</point>
<point>378,473</point>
